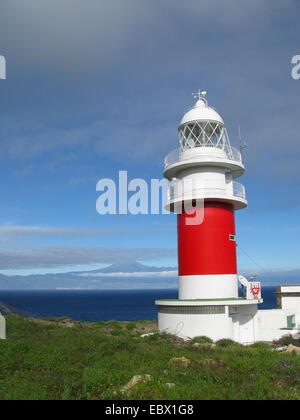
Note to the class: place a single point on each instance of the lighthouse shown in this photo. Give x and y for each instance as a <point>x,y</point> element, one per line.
<point>203,173</point>
<point>204,193</point>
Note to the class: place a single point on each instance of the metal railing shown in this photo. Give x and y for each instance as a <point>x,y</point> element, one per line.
<point>239,190</point>
<point>175,156</point>
<point>183,191</point>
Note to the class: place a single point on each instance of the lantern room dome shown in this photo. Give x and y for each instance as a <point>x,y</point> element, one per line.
<point>201,112</point>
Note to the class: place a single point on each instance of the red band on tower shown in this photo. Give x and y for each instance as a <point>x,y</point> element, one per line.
<point>207,248</point>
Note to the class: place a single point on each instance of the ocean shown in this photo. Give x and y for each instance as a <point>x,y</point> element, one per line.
<point>99,305</point>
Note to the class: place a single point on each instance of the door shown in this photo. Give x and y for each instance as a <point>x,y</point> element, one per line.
<point>246,329</point>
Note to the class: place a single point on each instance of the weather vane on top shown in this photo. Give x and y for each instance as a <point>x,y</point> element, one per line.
<point>200,94</point>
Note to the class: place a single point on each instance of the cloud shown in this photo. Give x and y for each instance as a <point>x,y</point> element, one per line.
<point>94,78</point>
<point>60,256</point>
<point>71,36</point>
<point>102,64</point>
<point>147,274</point>
<point>23,232</point>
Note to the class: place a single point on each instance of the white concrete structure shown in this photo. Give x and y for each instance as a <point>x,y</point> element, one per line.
<point>2,328</point>
<point>285,320</point>
<point>216,319</point>
<point>236,319</point>
<point>202,173</point>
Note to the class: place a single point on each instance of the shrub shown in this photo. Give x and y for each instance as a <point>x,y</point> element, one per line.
<point>202,340</point>
<point>116,331</point>
<point>261,346</point>
<point>131,327</point>
<point>101,323</point>
<point>113,323</point>
<point>226,342</point>
<point>287,340</point>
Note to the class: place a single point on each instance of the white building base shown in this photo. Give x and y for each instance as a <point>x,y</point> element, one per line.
<point>216,319</point>
<point>2,328</point>
<point>235,319</point>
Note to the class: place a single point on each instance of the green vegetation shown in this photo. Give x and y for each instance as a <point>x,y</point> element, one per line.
<point>65,359</point>
<point>227,343</point>
<point>202,340</point>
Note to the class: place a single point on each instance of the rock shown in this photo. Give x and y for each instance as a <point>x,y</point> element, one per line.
<point>210,362</point>
<point>205,345</point>
<point>292,348</point>
<point>280,349</point>
<point>170,385</point>
<point>69,324</point>
<point>134,381</point>
<point>2,328</point>
<point>180,361</point>
<point>202,364</point>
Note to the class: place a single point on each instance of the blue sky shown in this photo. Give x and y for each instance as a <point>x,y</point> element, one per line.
<point>97,87</point>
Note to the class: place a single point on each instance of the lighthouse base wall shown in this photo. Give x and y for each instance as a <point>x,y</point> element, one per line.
<point>236,319</point>
<point>219,286</point>
<point>215,327</point>
<point>247,326</point>
<point>216,320</point>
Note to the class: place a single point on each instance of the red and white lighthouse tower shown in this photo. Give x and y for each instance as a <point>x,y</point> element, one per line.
<point>202,174</point>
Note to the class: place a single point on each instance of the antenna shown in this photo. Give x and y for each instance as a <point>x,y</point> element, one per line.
<point>242,145</point>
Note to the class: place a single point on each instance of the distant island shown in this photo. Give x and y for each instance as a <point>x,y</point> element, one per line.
<point>132,275</point>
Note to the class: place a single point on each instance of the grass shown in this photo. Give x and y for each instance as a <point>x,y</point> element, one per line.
<point>69,360</point>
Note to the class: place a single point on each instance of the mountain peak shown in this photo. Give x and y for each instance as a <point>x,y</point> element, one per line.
<point>131,267</point>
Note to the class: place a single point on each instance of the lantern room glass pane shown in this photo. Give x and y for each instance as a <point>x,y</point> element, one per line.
<point>202,134</point>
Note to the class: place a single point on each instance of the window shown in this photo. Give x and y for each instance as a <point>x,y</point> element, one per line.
<point>192,310</point>
<point>202,134</point>
<point>232,237</point>
<point>291,321</point>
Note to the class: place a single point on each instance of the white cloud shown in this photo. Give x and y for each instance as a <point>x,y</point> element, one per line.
<point>154,274</point>
<point>240,52</point>
<point>11,231</point>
